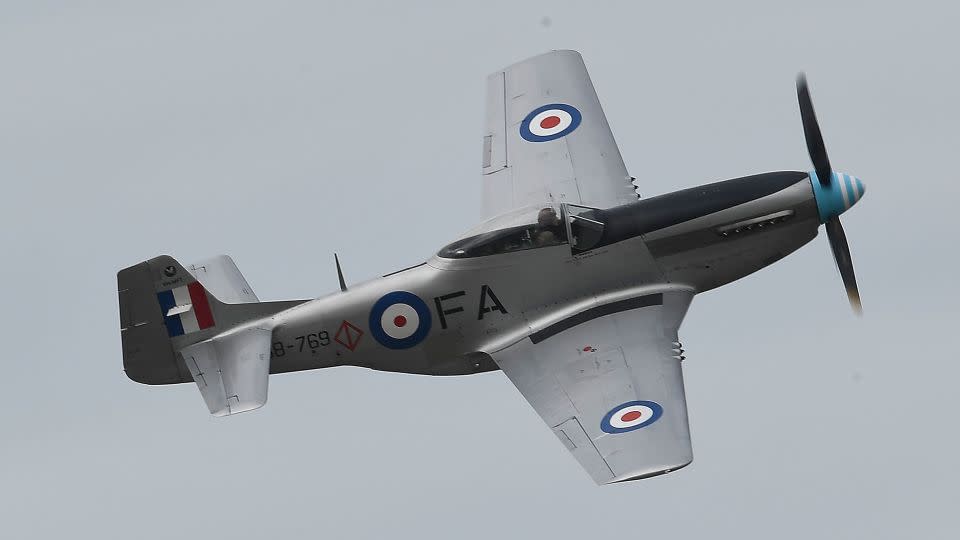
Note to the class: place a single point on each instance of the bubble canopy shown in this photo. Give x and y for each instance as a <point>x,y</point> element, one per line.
<point>530,227</point>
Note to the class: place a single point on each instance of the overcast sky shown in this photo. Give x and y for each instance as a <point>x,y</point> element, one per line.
<point>278,132</point>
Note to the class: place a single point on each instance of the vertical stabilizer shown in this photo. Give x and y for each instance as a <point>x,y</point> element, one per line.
<point>165,308</point>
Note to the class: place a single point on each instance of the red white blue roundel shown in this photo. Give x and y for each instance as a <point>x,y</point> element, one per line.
<point>399,320</point>
<point>630,416</point>
<point>550,122</point>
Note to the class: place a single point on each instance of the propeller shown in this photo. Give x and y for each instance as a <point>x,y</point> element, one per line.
<point>811,132</point>
<point>825,175</point>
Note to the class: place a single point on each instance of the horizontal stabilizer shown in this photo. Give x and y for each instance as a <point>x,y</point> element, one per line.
<point>223,279</point>
<point>232,370</point>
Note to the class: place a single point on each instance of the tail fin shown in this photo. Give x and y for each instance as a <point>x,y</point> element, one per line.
<point>165,308</point>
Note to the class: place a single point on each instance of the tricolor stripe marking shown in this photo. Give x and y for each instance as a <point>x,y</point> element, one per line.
<point>185,309</point>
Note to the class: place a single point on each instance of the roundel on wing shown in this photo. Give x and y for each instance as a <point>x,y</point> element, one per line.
<point>630,416</point>
<point>550,122</point>
<point>399,320</point>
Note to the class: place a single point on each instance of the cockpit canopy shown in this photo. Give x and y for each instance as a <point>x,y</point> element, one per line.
<point>584,228</point>
<point>526,228</point>
<point>531,227</point>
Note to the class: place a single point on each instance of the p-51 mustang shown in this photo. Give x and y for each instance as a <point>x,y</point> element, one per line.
<point>573,286</point>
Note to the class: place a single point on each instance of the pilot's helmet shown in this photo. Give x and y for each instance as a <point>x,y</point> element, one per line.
<point>547,217</point>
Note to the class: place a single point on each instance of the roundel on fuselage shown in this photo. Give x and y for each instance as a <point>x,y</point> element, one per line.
<point>399,320</point>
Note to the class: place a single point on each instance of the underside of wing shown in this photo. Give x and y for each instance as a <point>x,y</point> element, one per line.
<point>546,138</point>
<point>609,383</point>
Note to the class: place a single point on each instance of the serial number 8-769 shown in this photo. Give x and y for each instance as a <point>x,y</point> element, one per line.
<point>311,341</point>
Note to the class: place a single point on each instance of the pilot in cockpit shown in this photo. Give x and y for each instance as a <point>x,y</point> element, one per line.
<point>548,228</point>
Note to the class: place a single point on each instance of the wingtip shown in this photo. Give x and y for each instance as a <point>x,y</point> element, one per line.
<point>642,475</point>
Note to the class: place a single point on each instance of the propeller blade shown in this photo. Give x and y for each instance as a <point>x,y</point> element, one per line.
<point>841,254</point>
<point>811,131</point>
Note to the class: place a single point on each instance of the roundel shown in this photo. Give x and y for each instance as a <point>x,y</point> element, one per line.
<point>399,320</point>
<point>550,122</point>
<point>630,416</point>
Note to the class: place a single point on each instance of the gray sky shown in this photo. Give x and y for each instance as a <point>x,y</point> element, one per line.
<point>278,132</point>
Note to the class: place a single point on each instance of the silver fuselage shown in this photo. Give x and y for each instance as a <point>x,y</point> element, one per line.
<point>698,239</point>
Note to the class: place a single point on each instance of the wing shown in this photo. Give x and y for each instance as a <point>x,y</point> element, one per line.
<point>608,382</point>
<point>546,138</point>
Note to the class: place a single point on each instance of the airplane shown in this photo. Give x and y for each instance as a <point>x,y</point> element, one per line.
<point>573,285</point>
